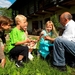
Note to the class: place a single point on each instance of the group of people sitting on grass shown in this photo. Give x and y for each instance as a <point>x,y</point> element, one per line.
<point>20,46</point>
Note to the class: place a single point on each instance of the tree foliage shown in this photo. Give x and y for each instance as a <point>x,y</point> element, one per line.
<point>55,20</point>
<point>6,12</point>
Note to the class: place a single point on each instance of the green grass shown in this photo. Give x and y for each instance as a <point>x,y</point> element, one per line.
<point>36,67</point>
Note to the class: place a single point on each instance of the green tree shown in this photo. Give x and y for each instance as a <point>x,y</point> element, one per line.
<point>55,20</point>
<point>6,12</point>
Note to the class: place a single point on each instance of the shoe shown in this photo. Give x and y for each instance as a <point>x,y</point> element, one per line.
<point>19,64</point>
<point>61,68</point>
<point>30,56</point>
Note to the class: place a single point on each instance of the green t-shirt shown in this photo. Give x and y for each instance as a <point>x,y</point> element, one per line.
<point>16,35</point>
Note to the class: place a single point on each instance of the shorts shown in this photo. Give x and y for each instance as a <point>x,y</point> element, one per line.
<point>2,56</point>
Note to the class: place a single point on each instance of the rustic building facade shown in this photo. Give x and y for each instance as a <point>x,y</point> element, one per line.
<point>39,11</point>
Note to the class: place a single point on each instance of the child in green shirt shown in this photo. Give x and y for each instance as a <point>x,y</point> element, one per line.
<point>17,41</point>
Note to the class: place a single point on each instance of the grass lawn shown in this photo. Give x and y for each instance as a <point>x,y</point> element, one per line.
<point>36,67</point>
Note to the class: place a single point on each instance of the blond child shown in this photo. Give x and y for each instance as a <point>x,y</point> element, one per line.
<point>17,40</point>
<point>45,35</point>
<point>30,45</point>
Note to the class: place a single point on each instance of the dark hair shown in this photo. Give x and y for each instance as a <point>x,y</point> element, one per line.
<point>5,20</point>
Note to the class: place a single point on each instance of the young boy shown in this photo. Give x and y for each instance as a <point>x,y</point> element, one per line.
<point>17,40</point>
<point>4,25</point>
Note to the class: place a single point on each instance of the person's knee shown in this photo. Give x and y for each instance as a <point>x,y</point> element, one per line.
<point>58,39</point>
<point>27,48</point>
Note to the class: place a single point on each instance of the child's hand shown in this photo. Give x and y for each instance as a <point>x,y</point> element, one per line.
<point>32,43</point>
<point>47,37</point>
<point>28,40</point>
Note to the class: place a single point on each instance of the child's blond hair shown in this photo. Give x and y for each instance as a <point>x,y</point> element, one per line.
<point>19,18</point>
<point>53,28</point>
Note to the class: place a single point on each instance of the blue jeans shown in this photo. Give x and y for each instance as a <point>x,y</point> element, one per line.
<point>60,46</point>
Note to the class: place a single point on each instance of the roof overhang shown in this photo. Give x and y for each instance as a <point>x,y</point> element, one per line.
<point>61,4</point>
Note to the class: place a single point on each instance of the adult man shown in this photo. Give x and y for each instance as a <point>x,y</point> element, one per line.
<point>66,42</point>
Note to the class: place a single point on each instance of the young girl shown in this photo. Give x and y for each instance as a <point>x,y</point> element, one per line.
<point>44,42</point>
